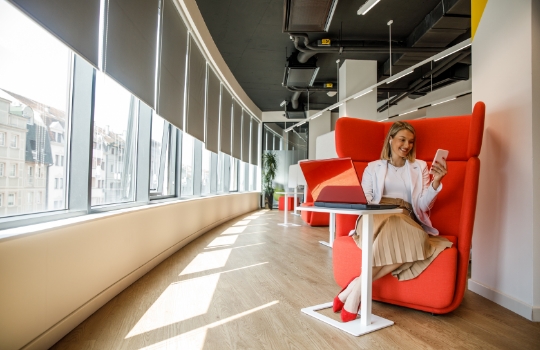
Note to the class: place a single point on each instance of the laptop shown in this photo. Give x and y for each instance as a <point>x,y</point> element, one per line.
<point>334,183</point>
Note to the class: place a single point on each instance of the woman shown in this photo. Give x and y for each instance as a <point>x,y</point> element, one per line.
<point>403,244</point>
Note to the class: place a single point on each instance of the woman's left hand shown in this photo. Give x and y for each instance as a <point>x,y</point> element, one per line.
<point>439,171</point>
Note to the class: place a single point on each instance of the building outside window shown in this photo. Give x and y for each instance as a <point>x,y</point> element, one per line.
<point>2,167</point>
<point>115,125</point>
<point>14,141</point>
<point>34,89</point>
<point>13,170</point>
<point>162,158</point>
<point>233,187</point>
<point>206,174</point>
<point>187,165</point>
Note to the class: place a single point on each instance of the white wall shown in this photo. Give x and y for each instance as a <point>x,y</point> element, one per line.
<point>326,146</point>
<point>505,241</point>
<point>317,127</point>
<point>355,75</point>
<point>57,274</point>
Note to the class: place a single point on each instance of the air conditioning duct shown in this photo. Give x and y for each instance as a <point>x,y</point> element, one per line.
<point>298,74</point>
<point>308,15</point>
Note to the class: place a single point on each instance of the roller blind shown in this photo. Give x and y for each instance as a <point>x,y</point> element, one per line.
<point>212,111</point>
<point>172,70</point>
<point>254,158</point>
<point>76,23</point>
<point>226,120</point>
<point>246,129</point>
<point>130,54</point>
<point>237,131</point>
<point>196,86</point>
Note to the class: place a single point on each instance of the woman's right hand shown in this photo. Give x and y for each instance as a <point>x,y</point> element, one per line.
<point>439,171</point>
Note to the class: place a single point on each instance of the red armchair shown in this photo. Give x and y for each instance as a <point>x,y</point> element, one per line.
<point>440,288</point>
<point>312,218</point>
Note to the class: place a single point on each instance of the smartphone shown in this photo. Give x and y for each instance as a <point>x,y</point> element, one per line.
<point>440,157</point>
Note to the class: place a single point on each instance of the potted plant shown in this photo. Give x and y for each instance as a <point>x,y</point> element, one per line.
<point>269,174</point>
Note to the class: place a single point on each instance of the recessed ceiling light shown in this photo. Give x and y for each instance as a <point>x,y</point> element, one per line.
<point>331,93</point>
<point>448,54</point>
<point>438,103</point>
<point>414,110</point>
<point>401,76</point>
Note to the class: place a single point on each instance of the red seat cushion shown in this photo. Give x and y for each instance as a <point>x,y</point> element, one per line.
<point>314,219</point>
<point>432,289</point>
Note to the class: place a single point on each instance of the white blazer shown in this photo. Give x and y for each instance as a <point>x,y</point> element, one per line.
<point>423,195</point>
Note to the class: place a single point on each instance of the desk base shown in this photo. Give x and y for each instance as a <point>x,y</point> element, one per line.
<point>326,244</point>
<point>288,224</point>
<point>353,327</point>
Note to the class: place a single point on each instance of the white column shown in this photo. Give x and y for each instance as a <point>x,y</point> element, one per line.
<point>317,127</point>
<point>355,75</point>
<point>506,76</point>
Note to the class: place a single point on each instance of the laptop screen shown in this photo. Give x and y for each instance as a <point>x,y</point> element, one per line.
<point>329,172</point>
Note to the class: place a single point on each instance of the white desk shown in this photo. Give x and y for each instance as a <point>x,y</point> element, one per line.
<point>367,322</point>
<point>285,221</point>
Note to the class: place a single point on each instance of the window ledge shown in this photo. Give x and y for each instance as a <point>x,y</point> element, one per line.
<point>22,231</point>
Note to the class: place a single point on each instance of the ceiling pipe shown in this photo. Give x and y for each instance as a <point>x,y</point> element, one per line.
<point>308,48</point>
<point>294,99</point>
<point>421,82</point>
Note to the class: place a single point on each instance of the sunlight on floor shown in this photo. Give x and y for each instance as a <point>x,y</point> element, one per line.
<point>242,223</point>
<point>233,230</point>
<point>195,339</point>
<point>207,261</point>
<point>223,241</point>
<point>179,302</point>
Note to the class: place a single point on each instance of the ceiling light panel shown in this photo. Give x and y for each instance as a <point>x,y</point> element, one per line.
<point>368,5</point>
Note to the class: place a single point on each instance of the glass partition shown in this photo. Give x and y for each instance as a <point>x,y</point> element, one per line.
<point>289,147</point>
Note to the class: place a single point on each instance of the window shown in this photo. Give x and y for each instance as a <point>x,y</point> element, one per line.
<point>187,165</point>
<point>162,158</point>
<point>13,170</point>
<point>29,197</point>
<point>2,166</point>
<point>115,133</point>
<point>1,199</point>
<point>38,198</point>
<point>57,160</point>
<point>242,177</point>
<point>35,66</point>
<point>62,161</point>
<point>206,171</point>
<point>14,141</point>
<point>233,186</point>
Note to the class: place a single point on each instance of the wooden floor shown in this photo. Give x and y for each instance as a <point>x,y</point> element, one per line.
<point>242,285</point>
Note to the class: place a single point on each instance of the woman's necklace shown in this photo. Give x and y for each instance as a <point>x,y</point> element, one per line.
<point>396,168</point>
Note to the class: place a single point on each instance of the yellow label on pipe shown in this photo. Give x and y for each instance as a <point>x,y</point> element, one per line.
<point>325,42</point>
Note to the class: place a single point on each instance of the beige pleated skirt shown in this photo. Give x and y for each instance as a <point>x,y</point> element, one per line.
<point>399,239</point>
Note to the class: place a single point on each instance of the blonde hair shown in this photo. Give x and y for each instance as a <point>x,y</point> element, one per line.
<point>386,153</point>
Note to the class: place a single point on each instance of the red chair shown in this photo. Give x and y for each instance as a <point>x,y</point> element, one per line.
<point>312,218</point>
<point>440,288</point>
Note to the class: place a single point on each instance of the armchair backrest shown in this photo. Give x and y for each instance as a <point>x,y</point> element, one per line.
<point>453,213</point>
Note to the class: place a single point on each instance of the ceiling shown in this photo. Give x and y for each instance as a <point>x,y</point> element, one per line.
<point>248,33</point>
